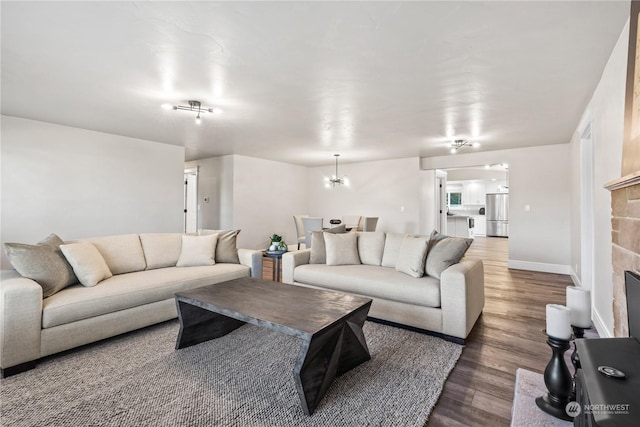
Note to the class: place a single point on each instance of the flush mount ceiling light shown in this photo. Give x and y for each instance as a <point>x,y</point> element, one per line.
<point>461,143</point>
<point>194,106</point>
<point>336,179</point>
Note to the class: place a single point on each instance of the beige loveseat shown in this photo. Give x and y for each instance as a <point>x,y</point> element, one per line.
<point>139,293</point>
<point>393,276</point>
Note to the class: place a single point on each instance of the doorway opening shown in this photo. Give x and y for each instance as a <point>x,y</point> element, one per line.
<point>191,200</point>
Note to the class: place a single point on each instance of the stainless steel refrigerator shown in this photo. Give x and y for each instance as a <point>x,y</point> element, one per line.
<point>497,213</point>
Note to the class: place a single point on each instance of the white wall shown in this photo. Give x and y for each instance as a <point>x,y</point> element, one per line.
<point>257,196</point>
<point>79,183</point>
<point>606,114</point>
<point>215,183</point>
<point>266,195</point>
<point>538,177</point>
<point>388,189</point>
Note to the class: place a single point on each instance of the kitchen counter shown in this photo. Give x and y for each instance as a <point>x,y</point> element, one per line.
<point>458,226</point>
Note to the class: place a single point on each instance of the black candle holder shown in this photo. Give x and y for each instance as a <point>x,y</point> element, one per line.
<point>558,380</point>
<point>578,332</point>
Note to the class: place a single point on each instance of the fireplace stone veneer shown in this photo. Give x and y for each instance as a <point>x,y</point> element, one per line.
<point>625,238</point>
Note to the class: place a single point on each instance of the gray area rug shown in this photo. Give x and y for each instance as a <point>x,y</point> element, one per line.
<point>525,412</point>
<point>242,379</point>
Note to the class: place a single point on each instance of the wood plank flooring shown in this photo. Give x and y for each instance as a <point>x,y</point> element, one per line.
<point>508,335</point>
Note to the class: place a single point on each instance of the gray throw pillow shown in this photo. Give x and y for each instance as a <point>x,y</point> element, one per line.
<point>342,249</point>
<point>444,251</point>
<point>43,263</point>
<point>411,256</point>
<point>227,247</point>
<point>371,246</point>
<point>318,248</point>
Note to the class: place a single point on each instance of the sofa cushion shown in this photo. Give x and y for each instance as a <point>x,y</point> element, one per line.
<point>227,246</point>
<point>392,248</point>
<point>372,281</point>
<point>371,247</point>
<point>45,263</point>
<point>198,250</point>
<point>444,251</point>
<point>342,249</point>
<point>131,290</point>
<point>122,253</point>
<point>87,262</point>
<point>318,247</point>
<point>161,249</point>
<point>412,255</point>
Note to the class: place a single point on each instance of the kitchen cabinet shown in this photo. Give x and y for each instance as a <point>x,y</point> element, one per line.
<point>458,226</point>
<point>480,226</point>
<point>474,193</point>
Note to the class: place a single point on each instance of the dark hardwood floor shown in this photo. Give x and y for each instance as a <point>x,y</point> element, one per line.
<point>507,336</point>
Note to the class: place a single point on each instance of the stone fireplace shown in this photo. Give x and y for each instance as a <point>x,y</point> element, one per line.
<point>625,238</point>
<point>625,192</point>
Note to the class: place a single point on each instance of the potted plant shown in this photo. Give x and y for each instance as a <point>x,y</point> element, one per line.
<point>276,242</point>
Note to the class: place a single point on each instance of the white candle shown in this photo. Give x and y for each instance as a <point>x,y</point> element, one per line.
<point>558,321</point>
<point>579,302</point>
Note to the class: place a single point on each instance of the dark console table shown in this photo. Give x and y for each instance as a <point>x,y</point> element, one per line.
<point>608,401</point>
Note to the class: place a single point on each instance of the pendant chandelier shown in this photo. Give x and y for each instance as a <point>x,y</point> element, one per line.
<point>336,179</point>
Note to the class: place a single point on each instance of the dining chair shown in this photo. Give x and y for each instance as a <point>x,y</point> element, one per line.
<point>370,223</point>
<point>311,224</point>
<point>300,228</point>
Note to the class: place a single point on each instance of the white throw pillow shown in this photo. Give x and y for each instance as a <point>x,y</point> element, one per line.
<point>412,255</point>
<point>198,250</point>
<point>88,264</point>
<point>342,249</point>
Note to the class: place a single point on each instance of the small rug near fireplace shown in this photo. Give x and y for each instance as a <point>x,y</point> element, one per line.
<point>242,379</point>
<point>525,413</point>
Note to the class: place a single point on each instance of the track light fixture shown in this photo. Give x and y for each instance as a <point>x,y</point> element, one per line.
<point>460,143</point>
<point>195,106</point>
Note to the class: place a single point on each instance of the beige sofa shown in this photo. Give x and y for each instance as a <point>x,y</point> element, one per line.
<point>447,306</point>
<point>140,293</point>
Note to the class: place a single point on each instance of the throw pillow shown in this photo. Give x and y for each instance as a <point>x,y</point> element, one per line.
<point>87,262</point>
<point>371,247</point>
<point>227,246</point>
<point>391,248</point>
<point>411,256</point>
<point>318,248</point>
<point>198,250</point>
<point>444,251</point>
<point>342,249</point>
<point>43,263</point>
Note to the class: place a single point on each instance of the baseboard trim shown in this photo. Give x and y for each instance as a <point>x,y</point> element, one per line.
<point>539,266</point>
<point>575,279</point>
<point>603,331</point>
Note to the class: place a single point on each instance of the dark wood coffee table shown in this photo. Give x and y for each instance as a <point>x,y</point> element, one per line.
<point>329,324</point>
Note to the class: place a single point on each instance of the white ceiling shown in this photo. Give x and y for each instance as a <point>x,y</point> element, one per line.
<point>299,81</point>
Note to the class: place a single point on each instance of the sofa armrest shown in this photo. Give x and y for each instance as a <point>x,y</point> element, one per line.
<point>462,296</point>
<point>290,260</point>
<point>251,258</point>
<point>20,321</point>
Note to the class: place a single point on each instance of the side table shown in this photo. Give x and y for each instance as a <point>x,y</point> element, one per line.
<point>277,263</point>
